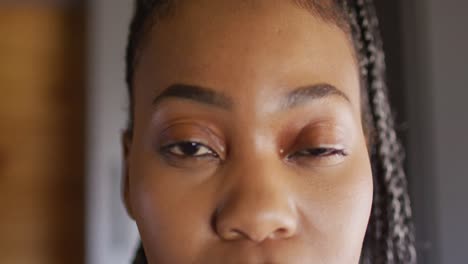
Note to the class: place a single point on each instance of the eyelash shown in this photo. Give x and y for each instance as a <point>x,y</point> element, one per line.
<point>320,152</point>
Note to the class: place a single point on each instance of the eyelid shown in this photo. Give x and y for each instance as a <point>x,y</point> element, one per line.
<point>328,147</point>
<point>179,132</point>
<point>318,161</point>
<point>189,162</point>
<point>167,147</point>
<point>319,145</point>
<point>325,135</point>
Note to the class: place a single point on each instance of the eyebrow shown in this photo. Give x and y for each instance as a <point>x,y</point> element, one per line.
<point>208,96</point>
<point>195,93</point>
<point>303,94</point>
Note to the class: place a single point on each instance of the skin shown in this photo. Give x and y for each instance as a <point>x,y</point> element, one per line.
<point>274,179</point>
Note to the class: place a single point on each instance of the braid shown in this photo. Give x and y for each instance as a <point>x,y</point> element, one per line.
<point>390,233</point>
<point>390,236</point>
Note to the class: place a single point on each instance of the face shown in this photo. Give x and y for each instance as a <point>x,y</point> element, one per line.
<point>248,144</point>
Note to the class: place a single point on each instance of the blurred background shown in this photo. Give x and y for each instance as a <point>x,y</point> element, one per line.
<point>63,106</point>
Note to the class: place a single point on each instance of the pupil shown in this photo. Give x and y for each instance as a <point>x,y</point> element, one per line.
<point>190,148</point>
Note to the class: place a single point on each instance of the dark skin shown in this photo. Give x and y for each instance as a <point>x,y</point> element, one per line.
<point>248,144</point>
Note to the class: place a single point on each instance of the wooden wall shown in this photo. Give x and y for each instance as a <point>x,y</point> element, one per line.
<point>42,109</point>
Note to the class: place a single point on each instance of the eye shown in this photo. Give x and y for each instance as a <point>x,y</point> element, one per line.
<point>321,152</point>
<point>189,149</point>
<point>323,156</point>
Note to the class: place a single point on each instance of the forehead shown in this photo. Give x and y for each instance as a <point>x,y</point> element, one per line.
<point>256,43</point>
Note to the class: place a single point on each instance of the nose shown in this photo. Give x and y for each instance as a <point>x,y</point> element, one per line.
<point>259,207</point>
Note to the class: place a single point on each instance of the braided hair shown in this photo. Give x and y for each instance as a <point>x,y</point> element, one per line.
<point>389,237</point>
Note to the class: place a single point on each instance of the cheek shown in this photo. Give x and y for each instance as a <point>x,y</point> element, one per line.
<point>170,214</point>
<point>337,209</point>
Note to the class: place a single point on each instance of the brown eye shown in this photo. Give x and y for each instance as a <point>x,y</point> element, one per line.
<point>189,149</point>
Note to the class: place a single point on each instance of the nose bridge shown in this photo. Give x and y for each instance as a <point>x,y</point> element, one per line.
<point>259,204</point>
